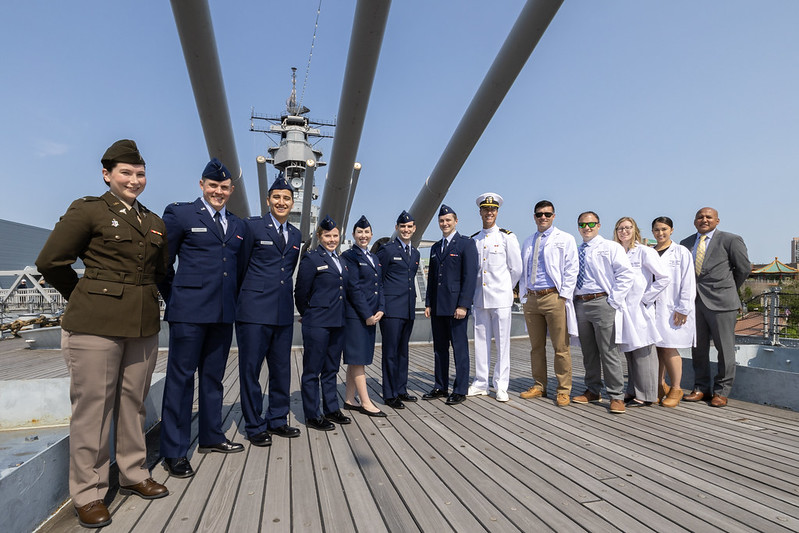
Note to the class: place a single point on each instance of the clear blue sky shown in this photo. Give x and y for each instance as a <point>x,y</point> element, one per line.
<point>627,108</point>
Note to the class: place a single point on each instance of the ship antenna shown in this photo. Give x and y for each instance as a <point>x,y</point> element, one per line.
<point>310,55</point>
<point>291,102</point>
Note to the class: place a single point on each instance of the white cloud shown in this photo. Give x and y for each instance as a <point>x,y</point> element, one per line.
<point>50,149</point>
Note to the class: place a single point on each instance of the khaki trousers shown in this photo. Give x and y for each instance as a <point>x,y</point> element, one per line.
<point>109,381</point>
<point>548,314</point>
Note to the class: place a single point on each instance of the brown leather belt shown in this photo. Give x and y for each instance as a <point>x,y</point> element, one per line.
<point>543,292</point>
<point>588,297</point>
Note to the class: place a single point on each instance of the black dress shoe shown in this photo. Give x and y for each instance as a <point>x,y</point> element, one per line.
<point>338,417</point>
<point>285,431</point>
<point>261,439</point>
<point>455,399</point>
<point>178,467</point>
<point>222,447</point>
<point>396,403</point>
<point>350,407</point>
<point>377,414</point>
<point>435,393</point>
<point>407,398</point>
<point>321,423</point>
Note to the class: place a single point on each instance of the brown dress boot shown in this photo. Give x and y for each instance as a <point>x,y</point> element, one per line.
<point>673,398</point>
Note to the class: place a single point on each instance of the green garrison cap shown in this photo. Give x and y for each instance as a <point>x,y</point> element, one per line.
<point>123,151</point>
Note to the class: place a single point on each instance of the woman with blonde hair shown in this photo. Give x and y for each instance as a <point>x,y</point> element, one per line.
<point>639,331</point>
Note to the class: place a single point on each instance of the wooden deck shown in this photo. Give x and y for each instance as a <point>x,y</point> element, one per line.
<point>525,465</point>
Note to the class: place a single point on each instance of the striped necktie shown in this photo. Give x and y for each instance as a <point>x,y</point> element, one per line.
<point>581,274</point>
<point>700,254</point>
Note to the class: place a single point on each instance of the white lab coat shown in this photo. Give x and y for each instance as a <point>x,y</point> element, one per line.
<point>640,328</point>
<point>610,267</point>
<point>680,296</point>
<point>500,266</point>
<point>562,265</point>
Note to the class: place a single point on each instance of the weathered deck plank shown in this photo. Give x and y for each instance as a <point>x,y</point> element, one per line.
<point>483,465</point>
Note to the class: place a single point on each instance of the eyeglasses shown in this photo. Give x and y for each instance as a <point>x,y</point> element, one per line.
<point>542,214</point>
<point>624,228</point>
<point>589,224</point>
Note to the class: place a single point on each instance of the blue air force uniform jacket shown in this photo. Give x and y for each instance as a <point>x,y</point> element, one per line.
<point>320,292</point>
<point>399,272</point>
<point>365,297</point>
<point>203,290</point>
<point>452,276</point>
<point>266,291</point>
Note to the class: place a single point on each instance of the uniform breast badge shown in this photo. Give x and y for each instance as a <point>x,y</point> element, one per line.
<point>114,222</point>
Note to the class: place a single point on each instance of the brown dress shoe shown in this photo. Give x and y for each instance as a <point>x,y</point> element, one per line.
<point>562,399</point>
<point>589,396</point>
<point>533,392</point>
<point>617,406</point>
<point>695,396</point>
<point>94,514</point>
<point>149,489</point>
<point>718,401</point>
<point>673,398</point>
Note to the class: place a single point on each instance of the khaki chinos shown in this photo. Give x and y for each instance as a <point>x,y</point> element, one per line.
<point>544,314</point>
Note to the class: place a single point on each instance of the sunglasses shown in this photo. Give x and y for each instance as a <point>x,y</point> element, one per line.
<point>589,224</point>
<point>541,214</point>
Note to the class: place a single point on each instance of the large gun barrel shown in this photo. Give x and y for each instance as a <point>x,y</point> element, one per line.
<point>365,42</point>
<point>193,21</point>
<point>522,39</point>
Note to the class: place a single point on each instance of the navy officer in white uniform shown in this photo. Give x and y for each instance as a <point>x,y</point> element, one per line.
<point>200,301</point>
<point>265,316</point>
<point>499,269</point>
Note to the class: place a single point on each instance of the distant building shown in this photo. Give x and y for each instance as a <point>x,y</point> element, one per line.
<point>795,250</point>
<point>20,244</point>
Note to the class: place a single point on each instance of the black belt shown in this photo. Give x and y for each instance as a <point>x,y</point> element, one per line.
<point>129,278</point>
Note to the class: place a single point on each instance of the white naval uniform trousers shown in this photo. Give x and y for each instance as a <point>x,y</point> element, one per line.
<point>500,267</point>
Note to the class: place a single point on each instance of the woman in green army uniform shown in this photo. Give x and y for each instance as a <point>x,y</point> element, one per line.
<point>110,329</point>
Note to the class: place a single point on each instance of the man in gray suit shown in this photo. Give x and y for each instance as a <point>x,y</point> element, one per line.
<point>721,266</point>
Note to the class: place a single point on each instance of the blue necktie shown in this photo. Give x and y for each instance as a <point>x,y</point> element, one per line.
<point>581,274</point>
<point>219,226</point>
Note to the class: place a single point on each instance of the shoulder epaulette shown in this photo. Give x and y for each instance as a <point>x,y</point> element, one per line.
<point>475,234</point>
<point>182,203</point>
<point>255,217</point>
<point>90,198</point>
<point>506,231</point>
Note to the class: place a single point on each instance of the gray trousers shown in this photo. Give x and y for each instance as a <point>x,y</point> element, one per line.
<point>642,372</point>
<point>597,330</point>
<point>719,326</point>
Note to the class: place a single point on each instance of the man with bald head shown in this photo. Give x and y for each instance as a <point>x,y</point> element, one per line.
<point>721,265</point>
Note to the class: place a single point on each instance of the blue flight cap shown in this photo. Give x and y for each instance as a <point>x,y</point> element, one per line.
<point>216,171</point>
<point>281,183</point>
<point>362,223</point>
<point>404,218</point>
<point>327,223</point>
<point>446,210</point>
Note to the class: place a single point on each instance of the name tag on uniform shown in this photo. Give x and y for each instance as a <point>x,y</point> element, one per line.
<point>323,267</point>
<point>267,243</point>
<point>397,259</point>
<point>199,230</point>
<point>363,264</point>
